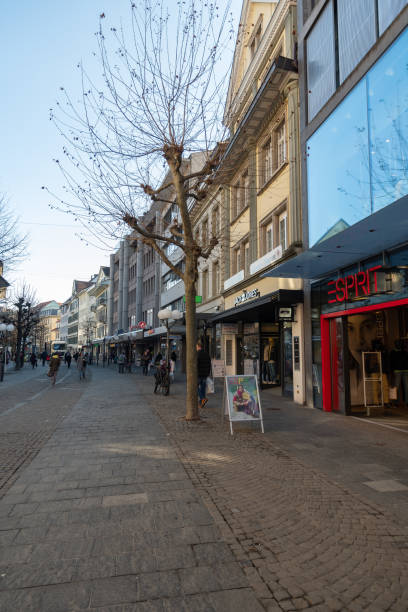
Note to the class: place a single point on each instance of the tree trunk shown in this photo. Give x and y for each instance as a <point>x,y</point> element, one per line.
<point>192,412</point>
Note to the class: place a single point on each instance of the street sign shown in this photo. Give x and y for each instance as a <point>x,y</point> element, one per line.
<point>198,299</point>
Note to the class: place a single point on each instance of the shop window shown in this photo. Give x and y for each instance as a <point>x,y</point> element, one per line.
<point>228,352</point>
<point>269,237</point>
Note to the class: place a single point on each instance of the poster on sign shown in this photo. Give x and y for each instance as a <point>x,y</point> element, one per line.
<point>218,368</point>
<point>243,401</point>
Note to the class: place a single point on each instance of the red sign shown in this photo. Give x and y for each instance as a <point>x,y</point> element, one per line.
<point>353,286</point>
<point>141,325</point>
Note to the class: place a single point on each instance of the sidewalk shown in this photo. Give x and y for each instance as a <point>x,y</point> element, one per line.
<point>105,518</point>
<point>296,506</point>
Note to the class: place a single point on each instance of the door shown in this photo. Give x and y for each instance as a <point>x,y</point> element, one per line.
<point>338,403</point>
<point>287,359</point>
<point>270,361</point>
<point>239,355</point>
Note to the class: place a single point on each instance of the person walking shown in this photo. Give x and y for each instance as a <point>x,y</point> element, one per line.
<point>146,357</point>
<point>76,355</point>
<point>68,359</point>
<point>81,364</point>
<point>203,370</point>
<point>44,357</point>
<point>121,362</point>
<point>33,360</point>
<point>54,367</point>
<point>173,359</point>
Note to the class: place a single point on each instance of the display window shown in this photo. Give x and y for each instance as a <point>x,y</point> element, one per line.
<point>364,360</point>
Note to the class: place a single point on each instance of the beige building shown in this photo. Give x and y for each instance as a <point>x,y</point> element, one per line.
<point>49,315</point>
<point>261,324</point>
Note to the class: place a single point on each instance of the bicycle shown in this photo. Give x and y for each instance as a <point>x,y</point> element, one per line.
<point>162,379</point>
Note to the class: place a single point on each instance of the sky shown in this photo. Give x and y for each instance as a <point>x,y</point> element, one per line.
<point>41,43</point>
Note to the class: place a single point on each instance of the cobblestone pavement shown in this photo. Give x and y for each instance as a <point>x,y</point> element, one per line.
<point>29,414</point>
<point>106,519</point>
<point>303,540</point>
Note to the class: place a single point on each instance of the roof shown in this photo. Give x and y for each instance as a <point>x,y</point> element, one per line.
<point>79,285</point>
<point>3,282</point>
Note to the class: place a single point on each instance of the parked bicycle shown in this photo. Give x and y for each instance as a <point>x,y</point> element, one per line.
<point>162,379</point>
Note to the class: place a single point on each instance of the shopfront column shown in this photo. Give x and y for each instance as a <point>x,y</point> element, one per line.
<point>294,204</point>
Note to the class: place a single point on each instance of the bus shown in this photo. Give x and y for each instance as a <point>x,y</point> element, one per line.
<point>59,347</point>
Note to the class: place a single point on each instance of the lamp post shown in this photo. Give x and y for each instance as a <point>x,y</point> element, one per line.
<point>166,315</point>
<point>5,329</point>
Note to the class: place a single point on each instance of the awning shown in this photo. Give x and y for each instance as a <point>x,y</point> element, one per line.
<point>260,309</point>
<point>381,231</point>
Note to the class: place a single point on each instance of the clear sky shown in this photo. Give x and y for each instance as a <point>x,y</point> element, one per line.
<point>41,43</point>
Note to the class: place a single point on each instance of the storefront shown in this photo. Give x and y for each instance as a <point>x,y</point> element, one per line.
<point>360,337</point>
<point>261,335</point>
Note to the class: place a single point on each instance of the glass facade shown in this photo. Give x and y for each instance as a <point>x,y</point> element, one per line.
<point>321,71</point>
<point>357,159</point>
<point>387,12</point>
<point>356,32</point>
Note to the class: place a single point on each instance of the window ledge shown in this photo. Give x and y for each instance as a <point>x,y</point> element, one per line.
<point>272,177</point>
<point>239,215</point>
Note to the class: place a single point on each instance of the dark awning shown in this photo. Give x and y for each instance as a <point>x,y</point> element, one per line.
<point>260,309</point>
<point>381,231</point>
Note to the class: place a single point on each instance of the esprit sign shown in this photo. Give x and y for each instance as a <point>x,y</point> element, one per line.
<point>353,285</point>
<point>247,295</point>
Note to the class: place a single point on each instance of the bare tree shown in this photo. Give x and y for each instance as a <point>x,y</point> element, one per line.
<point>13,244</point>
<point>130,139</point>
<point>22,304</point>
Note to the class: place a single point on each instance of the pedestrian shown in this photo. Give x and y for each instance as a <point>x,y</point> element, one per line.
<point>68,359</point>
<point>76,355</point>
<point>146,357</point>
<point>203,371</point>
<point>121,362</point>
<point>44,357</point>
<point>81,364</point>
<point>54,366</point>
<point>33,360</point>
<point>173,359</point>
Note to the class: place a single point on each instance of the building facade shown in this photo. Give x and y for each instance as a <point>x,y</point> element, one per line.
<point>262,324</point>
<point>354,128</point>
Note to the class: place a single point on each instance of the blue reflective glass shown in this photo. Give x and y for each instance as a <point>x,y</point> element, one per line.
<point>388,124</point>
<point>358,158</point>
<point>338,172</point>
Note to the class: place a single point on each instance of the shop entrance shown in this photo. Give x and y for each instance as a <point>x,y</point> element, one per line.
<point>365,360</point>
<point>270,355</point>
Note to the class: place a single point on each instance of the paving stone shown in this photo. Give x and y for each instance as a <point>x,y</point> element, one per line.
<point>121,589</point>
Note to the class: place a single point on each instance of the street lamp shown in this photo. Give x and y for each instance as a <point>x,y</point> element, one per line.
<point>166,315</point>
<point>5,328</point>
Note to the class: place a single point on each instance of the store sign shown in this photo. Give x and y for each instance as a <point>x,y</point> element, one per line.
<point>285,314</point>
<point>353,286</point>
<point>247,295</point>
<point>142,325</point>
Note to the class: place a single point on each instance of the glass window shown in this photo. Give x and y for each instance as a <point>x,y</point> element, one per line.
<point>266,163</point>
<point>388,11</point>
<point>280,147</point>
<point>338,172</point>
<point>282,230</point>
<point>356,27</point>
<point>321,72</point>
<point>269,237</point>
<point>387,84</point>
